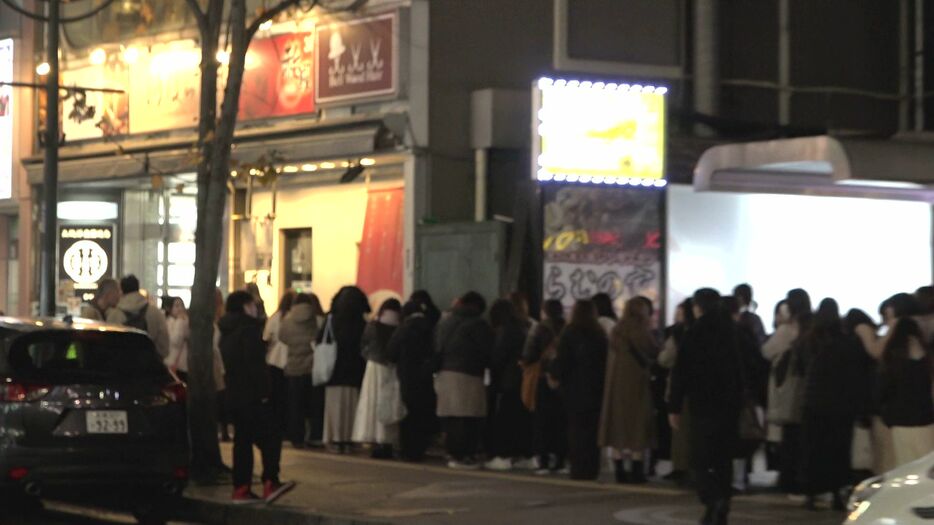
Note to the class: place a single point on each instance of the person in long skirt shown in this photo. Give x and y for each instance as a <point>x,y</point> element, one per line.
<point>347,317</point>
<point>376,422</point>
<point>549,418</point>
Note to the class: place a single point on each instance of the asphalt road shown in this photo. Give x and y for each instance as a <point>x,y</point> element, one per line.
<point>57,513</point>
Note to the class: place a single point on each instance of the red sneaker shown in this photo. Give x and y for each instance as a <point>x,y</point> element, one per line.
<point>244,496</point>
<point>273,490</point>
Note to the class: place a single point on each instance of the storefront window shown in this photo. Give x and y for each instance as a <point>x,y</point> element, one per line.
<point>176,266</point>
<point>124,20</point>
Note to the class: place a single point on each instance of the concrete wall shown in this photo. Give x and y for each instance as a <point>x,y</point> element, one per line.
<point>474,45</point>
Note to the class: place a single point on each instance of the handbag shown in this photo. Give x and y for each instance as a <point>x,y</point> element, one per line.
<point>751,428</point>
<point>786,390</point>
<point>531,375</point>
<point>325,357</point>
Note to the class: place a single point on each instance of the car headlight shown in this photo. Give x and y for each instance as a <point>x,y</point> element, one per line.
<point>864,491</point>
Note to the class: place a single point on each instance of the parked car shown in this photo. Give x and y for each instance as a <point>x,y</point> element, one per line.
<point>903,496</point>
<point>88,410</point>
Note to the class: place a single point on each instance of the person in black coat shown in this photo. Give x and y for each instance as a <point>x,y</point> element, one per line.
<point>463,342</point>
<point>834,398</point>
<point>708,375</point>
<point>412,349</point>
<point>249,399</point>
<point>580,369</point>
<point>549,419</point>
<point>348,310</point>
<point>509,436</point>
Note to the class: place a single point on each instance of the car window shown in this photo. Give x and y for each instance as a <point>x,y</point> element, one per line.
<point>84,355</point>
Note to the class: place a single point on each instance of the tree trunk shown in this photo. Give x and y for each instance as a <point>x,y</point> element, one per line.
<point>202,406</point>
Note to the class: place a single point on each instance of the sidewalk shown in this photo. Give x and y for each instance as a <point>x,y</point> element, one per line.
<point>342,490</point>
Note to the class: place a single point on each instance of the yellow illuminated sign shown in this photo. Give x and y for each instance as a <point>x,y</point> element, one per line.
<point>599,132</point>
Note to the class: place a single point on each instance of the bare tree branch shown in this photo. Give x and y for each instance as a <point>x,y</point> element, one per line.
<point>200,17</point>
<point>269,14</point>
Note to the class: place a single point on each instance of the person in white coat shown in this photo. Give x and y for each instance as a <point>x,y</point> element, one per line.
<point>176,320</point>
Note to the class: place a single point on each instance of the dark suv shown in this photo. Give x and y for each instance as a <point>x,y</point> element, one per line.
<point>88,408</point>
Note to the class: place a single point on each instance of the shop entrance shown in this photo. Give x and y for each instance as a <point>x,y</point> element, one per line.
<point>296,259</point>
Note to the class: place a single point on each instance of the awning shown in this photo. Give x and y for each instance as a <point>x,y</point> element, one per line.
<point>898,168</point>
<point>294,143</point>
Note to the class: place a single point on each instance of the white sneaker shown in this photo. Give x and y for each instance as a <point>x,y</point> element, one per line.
<point>500,464</point>
<point>462,465</point>
<point>526,464</point>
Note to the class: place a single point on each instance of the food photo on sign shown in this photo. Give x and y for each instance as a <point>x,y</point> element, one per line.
<point>278,80</point>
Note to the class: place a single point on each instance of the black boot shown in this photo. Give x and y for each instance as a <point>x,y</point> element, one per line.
<point>721,512</point>
<point>637,475</point>
<point>839,504</point>
<point>620,469</point>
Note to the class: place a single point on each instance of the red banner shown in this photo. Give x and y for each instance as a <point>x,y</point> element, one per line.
<point>278,80</point>
<point>380,265</point>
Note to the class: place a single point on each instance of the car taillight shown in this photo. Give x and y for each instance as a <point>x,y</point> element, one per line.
<point>17,473</point>
<point>180,473</point>
<point>11,392</point>
<point>176,392</point>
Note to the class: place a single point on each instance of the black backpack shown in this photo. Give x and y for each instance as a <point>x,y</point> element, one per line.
<point>137,319</point>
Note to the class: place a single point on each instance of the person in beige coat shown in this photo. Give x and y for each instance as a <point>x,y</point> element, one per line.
<point>297,331</point>
<point>627,419</point>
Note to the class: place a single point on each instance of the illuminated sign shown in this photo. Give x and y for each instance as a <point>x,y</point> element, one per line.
<point>86,255</point>
<point>598,133</point>
<point>6,119</point>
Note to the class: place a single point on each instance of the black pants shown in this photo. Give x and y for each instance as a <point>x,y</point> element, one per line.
<point>279,397</point>
<point>317,413</point>
<point>550,426</point>
<point>415,433</point>
<point>300,409</point>
<point>582,441</point>
<point>255,426</point>
<point>789,460</point>
<point>713,440</point>
<point>509,434</point>
<point>463,436</point>
<point>827,442</point>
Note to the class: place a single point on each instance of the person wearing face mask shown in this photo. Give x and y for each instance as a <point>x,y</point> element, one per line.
<point>249,400</point>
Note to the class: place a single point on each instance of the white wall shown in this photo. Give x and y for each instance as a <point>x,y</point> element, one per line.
<point>858,251</point>
<point>335,214</point>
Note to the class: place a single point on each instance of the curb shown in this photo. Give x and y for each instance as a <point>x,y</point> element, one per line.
<point>215,513</point>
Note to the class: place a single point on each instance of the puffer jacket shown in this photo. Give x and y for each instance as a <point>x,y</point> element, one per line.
<point>298,330</point>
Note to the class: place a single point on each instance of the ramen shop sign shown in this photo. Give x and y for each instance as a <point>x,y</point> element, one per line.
<point>85,255</point>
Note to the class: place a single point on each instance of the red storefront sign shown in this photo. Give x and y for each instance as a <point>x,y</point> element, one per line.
<point>278,79</point>
<point>380,266</point>
<point>356,59</point>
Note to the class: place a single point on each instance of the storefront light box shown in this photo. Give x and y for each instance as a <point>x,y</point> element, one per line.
<point>598,132</point>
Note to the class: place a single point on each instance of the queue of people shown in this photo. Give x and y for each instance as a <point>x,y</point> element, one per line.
<point>554,395</point>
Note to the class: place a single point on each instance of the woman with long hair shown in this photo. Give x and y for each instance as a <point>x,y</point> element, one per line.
<point>374,424</point>
<point>667,358</point>
<point>176,321</point>
<point>580,369</point>
<point>348,310</point>
<point>509,437</point>
<point>834,398</point>
<point>549,419</point>
<point>627,419</point>
<point>905,392</point>
<point>778,351</point>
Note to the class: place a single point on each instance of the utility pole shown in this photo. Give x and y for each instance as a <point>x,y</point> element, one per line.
<point>47,299</point>
<point>49,228</point>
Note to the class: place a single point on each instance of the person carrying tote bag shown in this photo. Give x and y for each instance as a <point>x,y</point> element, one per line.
<point>325,356</point>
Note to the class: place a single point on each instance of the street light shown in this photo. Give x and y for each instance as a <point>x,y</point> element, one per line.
<point>47,263</point>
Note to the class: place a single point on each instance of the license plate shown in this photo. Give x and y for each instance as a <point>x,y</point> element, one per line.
<point>107,422</point>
